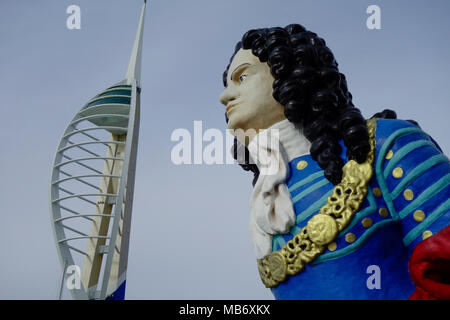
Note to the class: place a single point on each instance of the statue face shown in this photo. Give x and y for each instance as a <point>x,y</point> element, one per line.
<point>248,95</point>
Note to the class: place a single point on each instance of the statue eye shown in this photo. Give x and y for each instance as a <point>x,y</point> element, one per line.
<point>242,77</point>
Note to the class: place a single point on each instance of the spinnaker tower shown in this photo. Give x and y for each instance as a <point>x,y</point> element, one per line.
<point>91,188</point>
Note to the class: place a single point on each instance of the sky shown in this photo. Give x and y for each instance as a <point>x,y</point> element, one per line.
<point>189,233</point>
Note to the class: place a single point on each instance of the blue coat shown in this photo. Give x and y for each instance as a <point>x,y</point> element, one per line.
<point>408,199</point>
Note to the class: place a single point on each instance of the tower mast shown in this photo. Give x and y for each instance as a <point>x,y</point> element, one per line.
<point>134,66</point>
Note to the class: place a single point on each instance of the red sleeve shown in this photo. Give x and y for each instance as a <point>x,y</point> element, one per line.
<point>429,267</point>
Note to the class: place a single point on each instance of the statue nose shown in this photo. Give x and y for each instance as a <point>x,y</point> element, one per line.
<point>229,94</point>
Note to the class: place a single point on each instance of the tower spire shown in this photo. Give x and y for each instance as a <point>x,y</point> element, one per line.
<point>134,66</point>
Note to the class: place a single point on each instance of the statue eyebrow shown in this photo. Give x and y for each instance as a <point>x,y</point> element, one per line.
<point>239,67</point>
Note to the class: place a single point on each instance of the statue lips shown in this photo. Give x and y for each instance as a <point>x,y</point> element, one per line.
<point>229,107</point>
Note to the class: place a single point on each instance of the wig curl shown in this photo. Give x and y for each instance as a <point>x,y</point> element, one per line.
<point>314,94</point>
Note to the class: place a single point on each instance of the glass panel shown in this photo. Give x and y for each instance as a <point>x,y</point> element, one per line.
<point>121,92</point>
<point>123,100</point>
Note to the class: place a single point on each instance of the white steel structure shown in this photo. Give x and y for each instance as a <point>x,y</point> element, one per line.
<point>91,188</point>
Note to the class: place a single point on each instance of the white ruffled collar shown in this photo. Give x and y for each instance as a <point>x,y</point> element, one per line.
<point>292,139</point>
<point>271,208</point>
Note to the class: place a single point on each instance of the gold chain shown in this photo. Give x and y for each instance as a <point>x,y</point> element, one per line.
<point>322,228</point>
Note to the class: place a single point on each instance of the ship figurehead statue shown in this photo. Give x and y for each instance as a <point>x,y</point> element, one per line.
<point>342,207</point>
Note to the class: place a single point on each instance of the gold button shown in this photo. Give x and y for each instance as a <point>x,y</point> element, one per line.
<point>377,192</point>
<point>419,215</point>
<point>383,212</point>
<point>302,165</point>
<point>426,234</point>
<point>367,222</point>
<point>408,194</point>
<point>350,237</point>
<point>332,246</point>
<point>397,172</point>
<point>390,154</point>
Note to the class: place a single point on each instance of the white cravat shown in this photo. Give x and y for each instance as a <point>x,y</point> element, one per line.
<point>271,208</point>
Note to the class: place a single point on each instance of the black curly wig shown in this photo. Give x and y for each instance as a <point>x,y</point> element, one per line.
<point>307,82</point>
